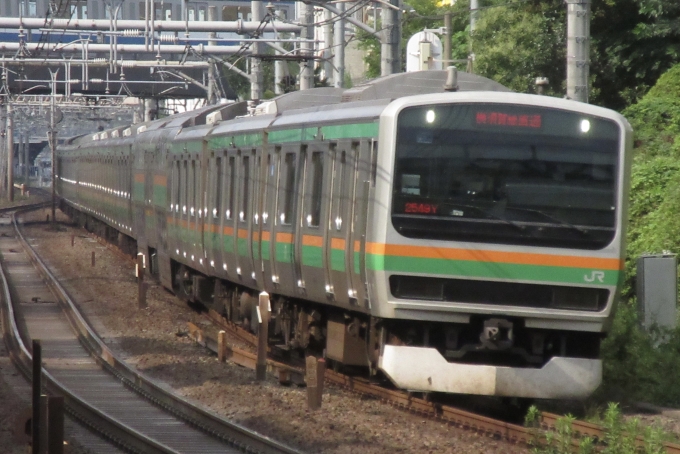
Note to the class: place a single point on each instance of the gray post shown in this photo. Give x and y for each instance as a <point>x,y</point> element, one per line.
<point>262,336</point>
<point>339,48</point>
<point>256,89</point>
<point>306,65</point>
<point>447,40</point>
<point>10,153</point>
<point>27,157</point>
<point>328,44</point>
<point>578,49</point>
<point>390,51</point>
<point>53,140</point>
<point>212,16</point>
<point>279,70</point>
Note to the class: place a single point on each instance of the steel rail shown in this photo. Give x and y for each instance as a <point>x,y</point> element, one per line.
<point>111,429</point>
<point>232,433</point>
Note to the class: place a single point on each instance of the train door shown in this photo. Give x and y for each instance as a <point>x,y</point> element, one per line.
<point>259,241</point>
<point>340,253</point>
<point>286,273</point>
<point>229,217</point>
<point>362,157</point>
<point>213,214</point>
<point>244,222</point>
<point>270,182</point>
<point>313,234</point>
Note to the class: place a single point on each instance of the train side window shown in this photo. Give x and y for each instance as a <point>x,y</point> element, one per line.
<point>316,190</point>
<point>218,188</point>
<point>245,195</point>
<point>175,186</point>
<point>232,187</point>
<point>288,175</point>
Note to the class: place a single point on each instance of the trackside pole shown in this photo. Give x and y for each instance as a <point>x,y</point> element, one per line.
<point>55,425</point>
<point>141,285</point>
<point>315,371</point>
<point>263,311</point>
<point>37,375</point>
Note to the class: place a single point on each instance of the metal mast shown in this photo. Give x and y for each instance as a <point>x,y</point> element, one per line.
<point>578,49</point>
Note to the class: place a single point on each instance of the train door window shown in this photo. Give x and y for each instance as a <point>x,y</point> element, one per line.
<point>191,13</point>
<point>245,184</point>
<point>201,13</point>
<point>269,176</point>
<point>185,185</point>
<point>341,190</point>
<point>315,190</point>
<point>175,186</point>
<point>232,187</point>
<point>192,188</point>
<point>218,187</point>
<point>288,186</point>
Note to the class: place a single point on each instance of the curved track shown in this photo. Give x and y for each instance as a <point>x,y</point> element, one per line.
<point>99,390</point>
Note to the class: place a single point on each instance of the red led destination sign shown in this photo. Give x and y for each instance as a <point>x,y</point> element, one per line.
<point>509,120</point>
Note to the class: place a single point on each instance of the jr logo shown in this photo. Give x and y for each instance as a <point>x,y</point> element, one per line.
<point>595,275</point>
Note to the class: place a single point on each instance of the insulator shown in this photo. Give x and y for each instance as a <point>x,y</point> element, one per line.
<point>96,81</point>
<point>168,38</point>
<point>127,63</point>
<point>99,60</point>
<point>132,32</point>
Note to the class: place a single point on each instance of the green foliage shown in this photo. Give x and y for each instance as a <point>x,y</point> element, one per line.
<point>515,44</point>
<point>640,365</point>
<point>619,436</point>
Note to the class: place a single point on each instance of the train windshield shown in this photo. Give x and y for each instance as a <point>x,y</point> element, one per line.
<point>506,174</point>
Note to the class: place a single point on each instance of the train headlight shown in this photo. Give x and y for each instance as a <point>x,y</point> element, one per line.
<point>585,126</point>
<point>430,116</point>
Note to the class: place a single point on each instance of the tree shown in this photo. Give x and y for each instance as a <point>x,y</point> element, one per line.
<point>515,44</point>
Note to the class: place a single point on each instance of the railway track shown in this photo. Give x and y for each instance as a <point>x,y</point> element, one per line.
<point>407,402</point>
<point>99,390</point>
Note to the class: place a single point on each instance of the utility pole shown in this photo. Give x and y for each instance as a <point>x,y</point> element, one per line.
<point>339,47</point>
<point>327,44</point>
<point>306,65</point>
<point>212,16</point>
<point>578,49</point>
<point>447,40</point>
<point>474,12</point>
<point>390,51</point>
<point>256,89</point>
<point>53,138</point>
<point>10,152</point>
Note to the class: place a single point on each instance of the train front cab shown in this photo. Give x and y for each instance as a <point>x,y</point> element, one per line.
<point>499,267</point>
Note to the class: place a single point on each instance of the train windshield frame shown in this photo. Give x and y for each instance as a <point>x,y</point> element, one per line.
<point>506,173</point>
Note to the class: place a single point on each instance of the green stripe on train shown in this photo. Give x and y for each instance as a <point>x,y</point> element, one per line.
<point>350,131</point>
<point>467,268</point>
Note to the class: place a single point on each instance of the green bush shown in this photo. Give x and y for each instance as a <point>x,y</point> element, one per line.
<point>619,435</point>
<point>640,365</point>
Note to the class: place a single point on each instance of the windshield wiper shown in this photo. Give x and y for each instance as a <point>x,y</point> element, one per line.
<point>488,214</point>
<point>561,222</point>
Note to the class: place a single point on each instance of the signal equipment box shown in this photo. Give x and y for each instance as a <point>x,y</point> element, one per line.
<point>657,290</point>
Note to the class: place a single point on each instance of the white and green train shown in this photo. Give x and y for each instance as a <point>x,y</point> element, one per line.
<point>466,241</point>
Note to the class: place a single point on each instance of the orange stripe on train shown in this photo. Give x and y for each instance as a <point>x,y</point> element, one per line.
<point>494,256</point>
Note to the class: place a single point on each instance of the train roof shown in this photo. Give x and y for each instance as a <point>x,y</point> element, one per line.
<point>385,88</point>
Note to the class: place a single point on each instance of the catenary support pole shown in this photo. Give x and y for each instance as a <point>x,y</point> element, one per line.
<point>390,50</point>
<point>10,152</point>
<point>339,48</point>
<point>578,49</point>
<point>306,48</point>
<point>256,85</point>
